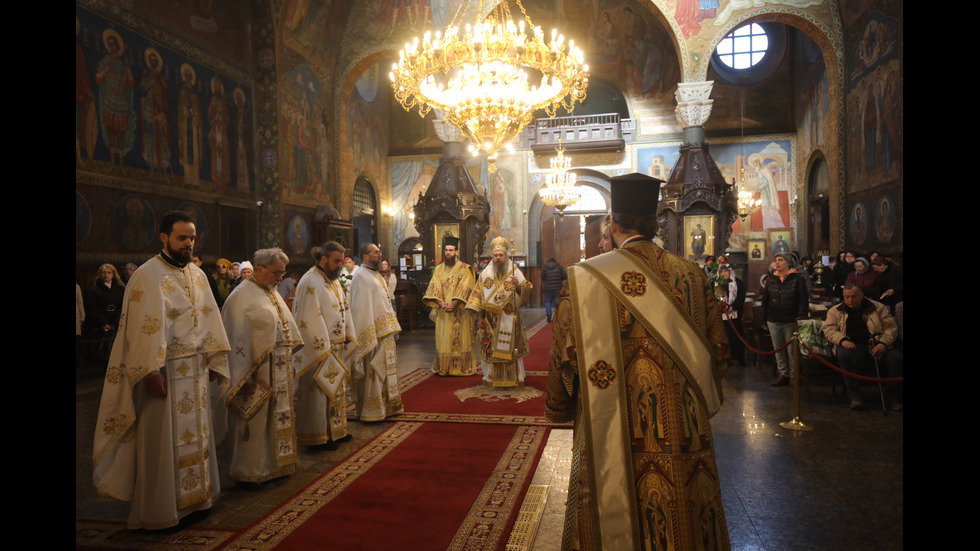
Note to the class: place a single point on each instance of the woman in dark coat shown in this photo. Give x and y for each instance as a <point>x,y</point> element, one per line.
<point>104,306</point>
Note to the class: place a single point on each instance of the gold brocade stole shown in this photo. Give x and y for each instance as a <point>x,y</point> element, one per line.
<point>595,300</point>
<point>281,381</point>
<point>188,382</point>
<point>331,373</point>
<point>498,298</point>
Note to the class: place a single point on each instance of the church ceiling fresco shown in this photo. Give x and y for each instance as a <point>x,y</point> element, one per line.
<point>221,27</point>
<point>315,30</point>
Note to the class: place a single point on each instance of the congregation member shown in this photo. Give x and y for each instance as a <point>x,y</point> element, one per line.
<point>264,336</point>
<point>891,285</point>
<point>451,286</point>
<point>784,300</point>
<point>325,323</point>
<point>347,274</point>
<point>154,442</point>
<point>735,300</point>
<point>105,300</point>
<point>245,271</point>
<point>391,281</point>
<point>861,328</point>
<point>235,272</point>
<point>501,291</point>
<point>636,362</point>
<point>224,283</point>
<point>553,275</point>
<point>128,270</point>
<point>375,328</point>
<point>864,277</point>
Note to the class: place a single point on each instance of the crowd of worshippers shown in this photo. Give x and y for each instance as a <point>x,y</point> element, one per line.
<point>202,358</point>
<point>862,314</point>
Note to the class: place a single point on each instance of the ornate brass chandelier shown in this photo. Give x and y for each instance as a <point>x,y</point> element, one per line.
<point>747,202</point>
<point>490,78</point>
<point>559,189</point>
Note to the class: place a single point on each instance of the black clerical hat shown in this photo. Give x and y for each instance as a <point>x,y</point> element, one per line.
<point>450,240</point>
<point>635,193</point>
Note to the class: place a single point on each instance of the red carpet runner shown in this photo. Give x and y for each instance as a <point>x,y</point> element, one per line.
<point>416,486</point>
<point>465,400</point>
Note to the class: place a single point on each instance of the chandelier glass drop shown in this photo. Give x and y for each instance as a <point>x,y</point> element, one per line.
<point>559,189</point>
<point>491,77</point>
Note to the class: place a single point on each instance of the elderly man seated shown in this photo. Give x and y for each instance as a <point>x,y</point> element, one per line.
<point>862,328</point>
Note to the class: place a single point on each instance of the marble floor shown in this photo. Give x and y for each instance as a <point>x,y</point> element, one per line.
<point>837,487</point>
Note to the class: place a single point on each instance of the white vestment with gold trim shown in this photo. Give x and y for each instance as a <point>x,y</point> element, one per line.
<point>324,321</point>
<point>375,362</point>
<point>159,452</point>
<point>263,336</point>
<point>503,340</point>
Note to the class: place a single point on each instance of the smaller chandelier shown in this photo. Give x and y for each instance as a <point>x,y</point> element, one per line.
<point>491,77</point>
<point>747,203</point>
<point>559,190</point>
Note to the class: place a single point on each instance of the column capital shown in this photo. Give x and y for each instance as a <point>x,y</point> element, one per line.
<point>693,106</point>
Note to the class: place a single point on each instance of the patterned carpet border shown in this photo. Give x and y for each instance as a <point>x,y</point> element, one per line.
<point>115,535</point>
<point>421,417</point>
<point>487,520</point>
<point>280,523</point>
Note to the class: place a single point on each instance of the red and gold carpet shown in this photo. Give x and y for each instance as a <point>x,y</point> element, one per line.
<point>465,400</point>
<point>415,486</point>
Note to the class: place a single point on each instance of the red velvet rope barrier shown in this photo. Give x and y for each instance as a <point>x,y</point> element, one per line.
<point>848,373</point>
<point>728,308</point>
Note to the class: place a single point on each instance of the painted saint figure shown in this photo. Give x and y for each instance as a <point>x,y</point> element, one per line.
<point>115,80</point>
<point>189,126</point>
<point>154,113</point>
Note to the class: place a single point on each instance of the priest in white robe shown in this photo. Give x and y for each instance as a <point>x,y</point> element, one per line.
<point>325,323</point>
<point>501,290</point>
<point>375,327</point>
<point>263,339</point>
<point>154,442</point>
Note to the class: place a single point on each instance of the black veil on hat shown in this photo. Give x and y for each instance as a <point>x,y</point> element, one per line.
<point>635,193</point>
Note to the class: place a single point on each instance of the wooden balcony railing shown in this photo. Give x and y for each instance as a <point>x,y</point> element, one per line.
<point>605,132</point>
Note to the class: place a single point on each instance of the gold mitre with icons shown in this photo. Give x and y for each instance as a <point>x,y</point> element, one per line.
<point>500,243</point>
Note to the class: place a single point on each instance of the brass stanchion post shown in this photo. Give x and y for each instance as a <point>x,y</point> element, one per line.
<point>797,423</point>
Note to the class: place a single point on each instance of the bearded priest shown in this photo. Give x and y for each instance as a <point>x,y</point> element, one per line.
<point>325,322</point>
<point>497,306</point>
<point>375,326</point>
<point>447,294</point>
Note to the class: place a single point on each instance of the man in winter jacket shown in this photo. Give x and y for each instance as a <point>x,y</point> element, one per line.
<point>552,276</point>
<point>862,328</point>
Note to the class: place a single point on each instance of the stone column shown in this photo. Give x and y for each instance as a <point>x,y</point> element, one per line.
<point>693,109</point>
